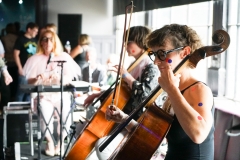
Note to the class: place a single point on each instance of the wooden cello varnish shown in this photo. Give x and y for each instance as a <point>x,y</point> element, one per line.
<point>98,126</point>
<point>146,137</point>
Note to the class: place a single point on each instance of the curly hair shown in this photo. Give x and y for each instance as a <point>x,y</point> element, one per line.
<point>177,35</point>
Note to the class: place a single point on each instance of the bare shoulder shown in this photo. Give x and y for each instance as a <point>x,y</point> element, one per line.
<point>199,94</point>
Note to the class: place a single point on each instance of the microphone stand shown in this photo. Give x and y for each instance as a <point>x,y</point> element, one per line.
<point>60,63</point>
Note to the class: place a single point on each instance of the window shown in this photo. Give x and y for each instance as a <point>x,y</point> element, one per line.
<point>233,57</point>
<point>197,15</point>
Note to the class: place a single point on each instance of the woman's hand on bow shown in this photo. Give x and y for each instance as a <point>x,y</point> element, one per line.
<point>115,114</point>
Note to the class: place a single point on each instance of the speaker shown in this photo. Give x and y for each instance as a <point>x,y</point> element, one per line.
<point>18,128</point>
<point>16,131</point>
<point>69,28</point>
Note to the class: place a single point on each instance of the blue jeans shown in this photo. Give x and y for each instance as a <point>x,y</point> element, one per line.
<point>20,95</point>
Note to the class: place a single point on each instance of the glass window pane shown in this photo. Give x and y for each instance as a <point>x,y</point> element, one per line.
<point>231,63</point>
<point>179,14</point>
<point>233,12</point>
<point>200,13</point>
<point>237,88</point>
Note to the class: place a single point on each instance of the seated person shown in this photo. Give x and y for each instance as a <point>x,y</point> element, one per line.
<point>38,70</point>
<point>93,72</point>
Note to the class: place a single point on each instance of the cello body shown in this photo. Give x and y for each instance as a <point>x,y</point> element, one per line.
<point>98,126</point>
<point>146,137</point>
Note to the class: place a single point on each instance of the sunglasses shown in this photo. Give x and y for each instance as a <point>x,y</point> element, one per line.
<point>161,54</point>
<point>45,39</point>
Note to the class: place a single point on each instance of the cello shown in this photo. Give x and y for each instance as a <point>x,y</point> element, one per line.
<point>134,146</point>
<point>98,126</point>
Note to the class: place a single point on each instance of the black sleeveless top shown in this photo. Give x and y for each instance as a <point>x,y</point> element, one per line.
<point>80,59</point>
<point>181,147</point>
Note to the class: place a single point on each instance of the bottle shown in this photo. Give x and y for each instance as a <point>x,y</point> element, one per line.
<point>68,47</point>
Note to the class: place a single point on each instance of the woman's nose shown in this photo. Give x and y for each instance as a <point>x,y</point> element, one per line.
<point>157,61</point>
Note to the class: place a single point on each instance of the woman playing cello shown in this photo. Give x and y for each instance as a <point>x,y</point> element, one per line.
<point>191,134</point>
<point>142,79</point>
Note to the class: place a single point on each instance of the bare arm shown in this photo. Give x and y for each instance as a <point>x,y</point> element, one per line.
<point>90,99</point>
<point>7,77</point>
<point>127,77</point>
<point>193,109</point>
<point>18,62</point>
<point>76,51</point>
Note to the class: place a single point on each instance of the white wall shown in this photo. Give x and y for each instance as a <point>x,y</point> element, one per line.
<point>97,15</point>
<point>97,21</point>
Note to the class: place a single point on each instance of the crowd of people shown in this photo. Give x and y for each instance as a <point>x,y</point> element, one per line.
<point>22,57</point>
<point>191,133</point>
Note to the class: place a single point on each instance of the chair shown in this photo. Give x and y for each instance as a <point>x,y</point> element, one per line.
<point>18,108</point>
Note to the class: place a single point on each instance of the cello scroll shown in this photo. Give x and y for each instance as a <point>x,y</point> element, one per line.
<point>222,40</point>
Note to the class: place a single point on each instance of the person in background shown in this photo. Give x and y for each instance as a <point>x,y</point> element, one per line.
<point>111,74</point>
<point>3,68</point>
<point>3,87</point>
<point>8,42</point>
<point>2,51</point>
<point>52,27</point>
<point>25,46</point>
<point>79,52</point>
<point>7,80</point>
<point>93,72</point>
<point>18,32</point>
<point>38,71</point>
<point>112,61</point>
<point>6,97</point>
<point>2,32</point>
<point>191,135</point>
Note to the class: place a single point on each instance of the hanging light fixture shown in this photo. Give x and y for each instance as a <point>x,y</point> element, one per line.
<point>20,1</point>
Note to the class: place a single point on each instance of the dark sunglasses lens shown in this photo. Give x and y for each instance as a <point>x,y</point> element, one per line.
<point>161,55</point>
<point>45,39</point>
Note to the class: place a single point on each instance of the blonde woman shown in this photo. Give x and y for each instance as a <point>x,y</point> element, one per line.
<point>79,52</point>
<point>39,70</point>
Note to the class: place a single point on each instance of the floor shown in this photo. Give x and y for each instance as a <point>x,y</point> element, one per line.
<point>25,153</point>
